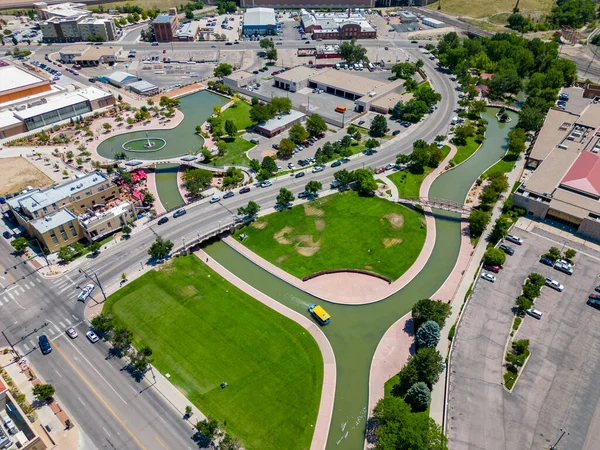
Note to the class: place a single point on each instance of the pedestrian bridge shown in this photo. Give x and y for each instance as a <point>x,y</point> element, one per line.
<point>438,203</point>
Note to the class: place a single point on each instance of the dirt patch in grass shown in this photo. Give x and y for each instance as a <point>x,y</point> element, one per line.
<point>306,245</point>
<point>266,153</point>
<point>310,210</point>
<point>280,236</point>
<point>189,291</point>
<point>319,224</point>
<point>389,242</point>
<point>259,225</point>
<point>18,173</point>
<point>281,259</point>
<point>396,220</point>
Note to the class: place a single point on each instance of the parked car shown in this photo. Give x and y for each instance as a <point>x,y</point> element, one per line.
<point>228,195</point>
<point>563,268</point>
<point>395,132</point>
<point>491,268</point>
<point>594,297</point>
<point>336,164</point>
<point>488,277</point>
<point>563,96</point>
<point>244,190</point>
<point>554,284</point>
<point>318,169</point>
<point>93,337</point>
<point>594,303</point>
<point>507,249</point>
<point>597,288</point>
<point>180,212</point>
<point>564,262</point>
<point>304,194</point>
<point>72,333</point>
<point>265,184</point>
<point>299,175</point>
<point>7,234</point>
<point>547,262</point>
<point>44,344</point>
<point>163,220</point>
<point>535,313</point>
<point>214,199</point>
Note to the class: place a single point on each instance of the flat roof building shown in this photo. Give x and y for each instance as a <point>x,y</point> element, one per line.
<point>346,84</point>
<point>259,21</point>
<point>120,79</point>
<point>564,188</point>
<point>61,10</point>
<point>17,83</point>
<point>294,79</point>
<point>433,23</point>
<point>407,17</point>
<point>143,87</point>
<point>286,4</point>
<point>239,79</point>
<point>165,27</point>
<point>96,55</point>
<point>279,123</point>
<point>333,25</point>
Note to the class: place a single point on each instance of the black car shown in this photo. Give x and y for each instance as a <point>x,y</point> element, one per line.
<point>507,249</point>
<point>299,175</point>
<point>244,190</point>
<point>7,235</point>
<point>597,288</point>
<point>303,163</point>
<point>304,194</point>
<point>228,194</point>
<point>546,262</point>
<point>44,343</point>
<point>594,297</point>
<point>163,220</point>
<point>594,303</point>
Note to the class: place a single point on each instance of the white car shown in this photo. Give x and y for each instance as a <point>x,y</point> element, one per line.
<point>488,277</point>
<point>318,169</point>
<point>514,239</point>
<point>265,184</point>
<point>85,292</point>
<point>93,337</point>
<point>72,333</point>
<point>215,199</point>
<point>554,284</point>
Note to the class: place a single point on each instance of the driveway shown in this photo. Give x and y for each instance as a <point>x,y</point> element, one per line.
<point>557,388</point>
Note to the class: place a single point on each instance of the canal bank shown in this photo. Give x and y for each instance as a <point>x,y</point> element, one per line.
<point>355,331</point>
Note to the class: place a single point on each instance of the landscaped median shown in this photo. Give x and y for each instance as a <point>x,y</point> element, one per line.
<point>340,231</point>
<point>203,331</point>
<point>409,182</point>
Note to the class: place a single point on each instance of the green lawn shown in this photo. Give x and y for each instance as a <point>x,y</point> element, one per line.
<point>204,331</point>
<point>505,165</point>
<point>408,183</point>
<point>340,231</point>
<point>236,152</point>
<point>465,151</point>
<point>240,114</point>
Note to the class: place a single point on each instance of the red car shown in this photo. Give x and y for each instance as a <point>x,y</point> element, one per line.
<point>491,268</point>
<point>380,170</point>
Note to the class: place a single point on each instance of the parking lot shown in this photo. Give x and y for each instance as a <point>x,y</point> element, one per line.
<point>557,387</point>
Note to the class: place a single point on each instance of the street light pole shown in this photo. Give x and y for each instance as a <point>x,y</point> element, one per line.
<point>562,433</point>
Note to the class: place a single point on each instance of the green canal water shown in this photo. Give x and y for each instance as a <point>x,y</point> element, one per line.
<point>166,185</point>
<point>355,331</point>
<point>180,140</point>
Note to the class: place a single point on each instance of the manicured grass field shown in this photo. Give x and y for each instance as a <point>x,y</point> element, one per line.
<point>236,152</point>
<point>204,331</point>
<point>340,231</point>
<point>486,8</point>
<point>465,151</point>
<point>505,165</point>
<point>240,114</point>
<point>409,183</point>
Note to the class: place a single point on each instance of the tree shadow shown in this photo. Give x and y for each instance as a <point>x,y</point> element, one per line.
<point>409,327</point>
<point>371,431</point>
<point>201,441</point>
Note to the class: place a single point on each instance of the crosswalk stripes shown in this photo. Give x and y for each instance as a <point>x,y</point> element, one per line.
<point>26,347</point>
<point>57,329</point>
<point>61,324</point>
<point>32,284</point>
<point>64,289</point>
<point>68,321</point>
<point>32,342</point>
<point>1,301</point>
<point>14,291</point>
<point>51,331</point>
<point>27,286</point>
<point>11,296</point>
<point>22,290</point>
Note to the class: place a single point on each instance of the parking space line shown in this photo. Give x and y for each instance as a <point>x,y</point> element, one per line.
<point>27,287</point>
<point>32,284</point>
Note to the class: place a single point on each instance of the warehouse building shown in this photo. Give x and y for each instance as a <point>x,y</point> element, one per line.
<point>406,17</point>
<point>278,124</point>
<point>121,79</point>
<point>433,23</point>
<point>18,83</point>
<point>239,79</point>
<point>259,21</point>
<point>345,84</point>
<point>564,188</point>
<point>294,79</point>
<point>143,87</point>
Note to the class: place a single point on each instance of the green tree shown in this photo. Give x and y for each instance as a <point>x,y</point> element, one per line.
<point>126,230</point>
<point>222,70</point>
<point>103,323</point>
<point>196,180</point>
<point>351,52</point>
<point>285,197</point>
<point>43,392</point>
<point>298,133</point>
<point>148,198</point>
<point>269,165</point>
<point>553,254</point>
<point>343,176</point>
<point>160,248</point>
<point>230,128</point>
<point>428,335</point>
<point>378,126</point>
<point>418,397</point>
<point>516,142</point>
<point>371,143</point>
<point>357,136</point>
<point>404,70</point>
<point>121,338</point>
<point>494,257</point>
<point>207,427</point>
<point>65,254</point>
<point>523,304</point>
<point>250,210</point>
<point>570,255</point>
<point>254,165</point>
<point>94,247</point>
<point>271,54</point>
<point>429,364</point>
<point>426,309</point>
<point>410,85</point>
<point>313,187</point>
<point>107,126</point>
<point>478,220</point>
<point>365,182</point>
<point>281,105</point>
<point>20,244</point>
<point>266,43</point>
<point>286,149</point>
<point>315,125</point>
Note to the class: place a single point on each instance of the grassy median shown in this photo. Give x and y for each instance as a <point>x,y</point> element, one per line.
<point>340,231</point>
<point>204,331</point>
<point>409,183</point>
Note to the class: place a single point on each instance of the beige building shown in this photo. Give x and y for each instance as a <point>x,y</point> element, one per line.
<point>24,436</point>
<point>78,28</point>
<point>564,187</point>
<point>64,214</point>
<point>97,28</point>
<point>239,79</point>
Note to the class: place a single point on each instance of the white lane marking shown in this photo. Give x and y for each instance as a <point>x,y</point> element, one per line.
<point>4,299</point>
<point>51,331</point>
<point>59,280</point>
<point>22,290</point>
<point>20,306</point>
<point>64,289</point>
<point>25,347</point>
<point>32,284</point>
<point>57,373</point>
<point>74,316</point>
<point>27,287</point>
<point>79,398</point>
<point>57,337</point>
<point>68,321</point>
<point>11,296</point>
<point>61,324</point>
<point>1,302</point>
<point>162,420</point>
<point>10,289</point>
<point>32,342</point>
<point>106,431</point>
<point>16,293</point>
<point>57,329</point>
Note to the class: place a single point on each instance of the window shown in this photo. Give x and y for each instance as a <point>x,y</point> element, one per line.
<point>73,230</point>
<point>53,237</point>
<point>45,210</point>
<point>77,198</point>
<point>63,233</point>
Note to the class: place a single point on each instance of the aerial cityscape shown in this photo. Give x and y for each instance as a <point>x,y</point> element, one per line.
<point>359,224</point>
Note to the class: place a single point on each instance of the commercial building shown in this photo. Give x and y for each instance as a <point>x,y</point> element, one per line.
<point>165,26</point>
<point>384,104</point>
<point>239,79</point>
<point>345,25</point>
<point>88,207</point>
<point>121,79</point>
<point>96,55</point>
<point>92,28</point>
<point>564,187</point>
<point>433,23</point>
<point>294,79</point>
<point>259,21</point>
<point>406,17</point>
<point>61,10</point>
<point>276,125</point>
<point>188,31</point>
<point>78,28</point>
<point>143,87</point>
<point>18,83</point>
<point>286,4</point>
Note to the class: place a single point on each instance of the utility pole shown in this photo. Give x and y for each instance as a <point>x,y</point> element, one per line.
<point>562,433</point>
<point>97,281</point>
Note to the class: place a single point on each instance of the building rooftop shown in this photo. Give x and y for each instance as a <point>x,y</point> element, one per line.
<point>584,175</point>
<point>97,52</point>
<point>408,15</point>
<point>390,100</point>
<point>590,116</point>
<point>65,9</point>
<point>240,75</point>
<point>281,120</point>
<point>188,30</point>
<point>547,176</point>
<point>348,81</point>
<point>53,220</point>
<point>297,74</point>
<point>57,102</point>
<point>74,49</point>
<point>142,86</point>
<point>36,199</point>
<point>8,119</point>
<point>259,16</point>
<point>163,18</point>
<point>92,219</point>
<point>13,77</point>
<point>119,77</point>
<point>557,126</point>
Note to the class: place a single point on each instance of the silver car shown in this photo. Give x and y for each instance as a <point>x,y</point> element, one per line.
<point>488,277</point>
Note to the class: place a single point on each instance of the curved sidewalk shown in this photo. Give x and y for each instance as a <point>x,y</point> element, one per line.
<point>321,432</point>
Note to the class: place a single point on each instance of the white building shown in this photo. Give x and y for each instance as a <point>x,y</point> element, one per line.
<point>433,23</point>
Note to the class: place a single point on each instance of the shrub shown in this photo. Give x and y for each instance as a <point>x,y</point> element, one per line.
<point>494,257</point>
<point>452,332</point>
<point>407,377</point>
<point>553,254</point>
<point>418,397</point>
<point>429,364</point>
<point>523,304</point>
<point>537,279</point>
<point>427,309</point>
<point>517,323</point>
<point>531,291</point>
<point>428,335</point>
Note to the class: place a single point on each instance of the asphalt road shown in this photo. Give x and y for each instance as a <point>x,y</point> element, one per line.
<point>106,403</point>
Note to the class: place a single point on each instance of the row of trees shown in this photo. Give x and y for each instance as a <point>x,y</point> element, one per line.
<point>480,216</point>
<point>423,155</point>
<point>269,46</point>
<point>263,112</point>
<point>424,97</point>
<point>570,13</point>
<point>363,180</point>
<point>353,53</point>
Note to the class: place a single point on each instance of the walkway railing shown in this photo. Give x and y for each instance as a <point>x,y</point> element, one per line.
<point>439,203</point>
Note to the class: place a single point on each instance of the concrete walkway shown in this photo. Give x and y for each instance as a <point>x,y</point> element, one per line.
<point>151,185</point>
<point>329,370</point>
